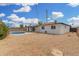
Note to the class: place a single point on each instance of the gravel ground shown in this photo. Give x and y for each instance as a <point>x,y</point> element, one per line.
<point>38,44</point>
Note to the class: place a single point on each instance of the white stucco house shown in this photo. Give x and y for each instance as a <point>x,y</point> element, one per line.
<point>53,28</point>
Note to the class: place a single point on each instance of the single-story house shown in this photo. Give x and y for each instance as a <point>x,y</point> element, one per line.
<point>53,28</point>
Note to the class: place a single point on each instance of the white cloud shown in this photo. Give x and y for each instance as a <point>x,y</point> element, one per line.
<point>2,14</point>
<point>51,21</point>
<point>5,21</point>
<point>74,21</point>
<point>56,15</point>
<point>73,4</point>
<point>31,20</point>
<point>27,4</point>
<point>49,18</point>
<point>15,18</point>
<point>10,23</point>
<point>15,25</point>
<point>23,9</point>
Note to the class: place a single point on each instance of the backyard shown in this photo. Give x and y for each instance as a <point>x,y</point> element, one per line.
<point>39,44</point>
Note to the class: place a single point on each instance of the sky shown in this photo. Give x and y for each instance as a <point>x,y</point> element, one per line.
<point>31,13</point>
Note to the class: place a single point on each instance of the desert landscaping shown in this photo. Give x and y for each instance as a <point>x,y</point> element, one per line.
<point>39,44</point>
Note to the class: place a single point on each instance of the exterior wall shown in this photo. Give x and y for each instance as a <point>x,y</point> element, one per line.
<point>60,29</point>
<point>64,29</point>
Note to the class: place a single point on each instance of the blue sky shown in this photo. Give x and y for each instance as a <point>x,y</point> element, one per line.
<point>14,14</point>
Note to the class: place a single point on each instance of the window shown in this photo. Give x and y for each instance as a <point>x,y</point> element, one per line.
<point>43,27</point>
<point>53,27</point>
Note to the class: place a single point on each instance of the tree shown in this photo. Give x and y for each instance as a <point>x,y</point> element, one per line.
<point>3,30</point>
<point>21,25</point>
<point>40,23</point>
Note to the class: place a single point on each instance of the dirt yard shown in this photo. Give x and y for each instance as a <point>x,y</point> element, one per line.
<point>37,44</point>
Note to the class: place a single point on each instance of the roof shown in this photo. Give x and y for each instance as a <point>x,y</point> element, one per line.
<point>52,23</point>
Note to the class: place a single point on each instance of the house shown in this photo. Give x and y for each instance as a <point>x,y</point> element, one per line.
<point>53,28</point>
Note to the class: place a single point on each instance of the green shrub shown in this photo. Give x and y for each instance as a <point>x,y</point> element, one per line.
<point>3,30</point>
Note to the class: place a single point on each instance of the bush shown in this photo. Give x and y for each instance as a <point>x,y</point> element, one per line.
<point>3,30</point>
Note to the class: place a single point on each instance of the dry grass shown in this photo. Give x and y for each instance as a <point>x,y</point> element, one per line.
<point>40,44</point>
